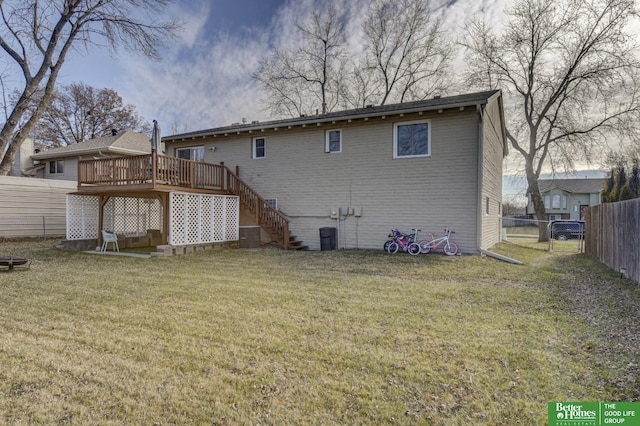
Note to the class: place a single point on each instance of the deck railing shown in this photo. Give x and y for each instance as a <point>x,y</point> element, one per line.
<point>157,170</point>
<point>150,168</point>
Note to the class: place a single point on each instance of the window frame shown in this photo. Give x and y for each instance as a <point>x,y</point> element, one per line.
<point>327,141</point>
<point>273,202</point>
<point>191,149</point>
<point>396,127</point>
<point>254,147</point>
<point>56,167</point>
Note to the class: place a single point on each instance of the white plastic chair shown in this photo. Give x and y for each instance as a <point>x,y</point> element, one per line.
<point>108,237</point>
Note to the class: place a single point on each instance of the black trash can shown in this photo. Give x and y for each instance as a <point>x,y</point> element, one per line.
<point>327,238</point>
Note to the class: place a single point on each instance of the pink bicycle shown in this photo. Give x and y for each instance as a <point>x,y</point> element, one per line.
<point>406,242</point>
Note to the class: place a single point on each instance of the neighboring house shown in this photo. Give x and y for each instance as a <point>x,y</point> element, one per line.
<point>429,164</point>
<point>23,164</point>
<point>62,163</point>
<point>566,199</point>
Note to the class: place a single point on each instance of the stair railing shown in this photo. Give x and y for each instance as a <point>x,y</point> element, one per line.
<point>269,219</point>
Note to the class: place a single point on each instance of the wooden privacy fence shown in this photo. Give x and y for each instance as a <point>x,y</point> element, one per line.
<point>613,236</point>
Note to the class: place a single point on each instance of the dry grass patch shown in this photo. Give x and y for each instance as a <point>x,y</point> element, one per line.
<point>274,337</point>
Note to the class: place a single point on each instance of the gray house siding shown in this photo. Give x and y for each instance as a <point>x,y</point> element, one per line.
<point>427,192</point>
<point>70,170</point>
<point>493,151</point>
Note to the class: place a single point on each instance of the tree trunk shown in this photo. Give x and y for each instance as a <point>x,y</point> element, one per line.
<point>533,191</point>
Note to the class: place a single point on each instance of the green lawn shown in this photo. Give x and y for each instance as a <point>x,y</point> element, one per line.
<point>275,337</point>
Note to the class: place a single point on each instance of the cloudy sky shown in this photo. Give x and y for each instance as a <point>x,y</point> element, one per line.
<point>204,79</point>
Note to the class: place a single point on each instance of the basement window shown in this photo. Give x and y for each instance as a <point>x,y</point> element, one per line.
<point>273,202</point>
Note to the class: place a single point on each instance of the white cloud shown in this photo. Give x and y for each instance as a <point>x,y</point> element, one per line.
<point>205,80</point>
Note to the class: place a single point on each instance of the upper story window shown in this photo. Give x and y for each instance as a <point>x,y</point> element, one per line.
<point>195,153</point>
<point>333,141</point>
<point>259,147</point>
<point>555,202</point>
<point>412,139</point>
<point>56,167</point>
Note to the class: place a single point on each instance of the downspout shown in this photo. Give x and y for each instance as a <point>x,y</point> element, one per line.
<point>480,112</point>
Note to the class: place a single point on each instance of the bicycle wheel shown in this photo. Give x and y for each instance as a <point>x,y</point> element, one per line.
<point>386,245</point>
<point>450,248</point>
<point>425,246</point>
<point>392,247</point>
<point>414,249</point>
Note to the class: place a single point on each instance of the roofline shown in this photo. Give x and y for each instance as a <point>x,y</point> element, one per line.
<point>361,113</point>
<point>74,153</point>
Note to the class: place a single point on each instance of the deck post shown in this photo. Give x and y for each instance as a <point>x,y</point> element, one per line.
<point>154,168</point>
<point>285,242</point>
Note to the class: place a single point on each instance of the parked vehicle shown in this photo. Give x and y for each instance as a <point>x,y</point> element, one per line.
<point>563,230</point>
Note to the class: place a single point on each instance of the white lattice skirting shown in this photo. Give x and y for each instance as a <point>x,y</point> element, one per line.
<point>199,218</point>
<point>193,218</point>
<point>82,217</point>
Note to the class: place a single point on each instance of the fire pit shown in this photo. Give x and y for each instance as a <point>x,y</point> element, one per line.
<point>11,262</point>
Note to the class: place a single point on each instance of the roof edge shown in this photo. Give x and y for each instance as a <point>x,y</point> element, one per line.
<point>433,104</point>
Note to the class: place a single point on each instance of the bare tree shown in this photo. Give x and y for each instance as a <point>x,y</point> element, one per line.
<point>36,37</point>
<point>308,78</point>
<point>406,50</point>
<point>361,87</point>
<point>79,112</point>
<point>570,73</point>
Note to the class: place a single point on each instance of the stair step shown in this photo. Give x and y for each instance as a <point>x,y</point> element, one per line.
<point>296,244</point>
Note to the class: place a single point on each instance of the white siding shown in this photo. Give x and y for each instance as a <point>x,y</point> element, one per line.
<point>32,207</point>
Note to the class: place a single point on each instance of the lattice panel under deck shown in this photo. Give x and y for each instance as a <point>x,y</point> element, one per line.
<point>232,228</point>
<point>82,217</point>
<point>201,218</point>
<point>132,216</point>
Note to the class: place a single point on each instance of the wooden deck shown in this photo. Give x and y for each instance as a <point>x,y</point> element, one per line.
<point>154,173</point>
<point>149,171</point>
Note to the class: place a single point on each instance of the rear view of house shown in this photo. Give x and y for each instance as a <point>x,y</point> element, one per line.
<point>428,164</point>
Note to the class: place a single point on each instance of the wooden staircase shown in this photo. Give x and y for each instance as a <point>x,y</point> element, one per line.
<point>295,244</point>
<point>269,219</point>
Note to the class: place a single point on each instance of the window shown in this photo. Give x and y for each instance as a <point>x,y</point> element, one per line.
<point>195,153</point>
<point>273,202</point>
<point>333,141</point>
<point>259,147</point>
<point>412,139</point>
<point>547,201</point>
<point>56,167</point>
<point>555,202</point>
